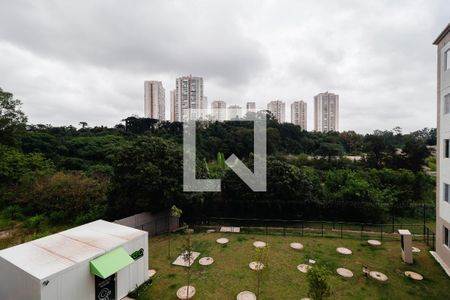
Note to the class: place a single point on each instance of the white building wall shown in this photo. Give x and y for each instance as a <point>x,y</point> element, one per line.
<point>444,130</point>
<point>17,284</point>
<point>278,109</point>
<point>326,112</point>
<point>154,100</point>
<point>188,95</point>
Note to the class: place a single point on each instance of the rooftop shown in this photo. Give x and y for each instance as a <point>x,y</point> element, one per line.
<point>442,35</point>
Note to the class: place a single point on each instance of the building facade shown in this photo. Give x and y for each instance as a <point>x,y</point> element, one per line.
<point>154,100</point>
<point>326,112</point>
<point>204,103</point>
<point>219,110</point>
<point>188,95</point>
<point>173,107</point>
<point>299,114</point>
<point>278,109</point>
<point>251,107</point>
<point>234,112</point>
<point>442,253</point>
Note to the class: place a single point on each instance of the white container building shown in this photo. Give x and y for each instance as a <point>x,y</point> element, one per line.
<point>98,260</point>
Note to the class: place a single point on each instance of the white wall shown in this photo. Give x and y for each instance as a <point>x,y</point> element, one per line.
<point>444,166</point>
<point>17,284</point>
<point>72,284</point>
<point>136,273</point>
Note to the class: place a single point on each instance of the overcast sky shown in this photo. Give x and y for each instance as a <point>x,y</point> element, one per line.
<point>72,61</point>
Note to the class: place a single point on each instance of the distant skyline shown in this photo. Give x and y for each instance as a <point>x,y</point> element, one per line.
<point>86,61</point>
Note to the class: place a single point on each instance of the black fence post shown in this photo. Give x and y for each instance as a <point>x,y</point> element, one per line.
<point>381,232</point>
<point>284,228</point>
<point>302,228</point>
<point>362,229</point>
<point>341,229</point>
<point>393,222</point>
<point>322,228</point>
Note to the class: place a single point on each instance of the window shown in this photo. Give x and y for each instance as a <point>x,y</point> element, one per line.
<point>446,148</point>
<point>446,192</point>
<point>447,60</point>
<point>446,238</point>
<point>446,104</point>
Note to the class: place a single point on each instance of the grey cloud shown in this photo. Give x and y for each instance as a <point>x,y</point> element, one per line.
<point>86,60</point>
<point>143,36</point>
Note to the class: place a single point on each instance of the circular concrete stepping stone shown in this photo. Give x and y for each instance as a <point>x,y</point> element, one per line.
<point>378,276</point>
<point>256,265</point>
<point>344,272</point>
<point>222,241</point>
<point>259,244</point>
<point>374,243</point>
<point>413,275</point>
<point>206,261</point>
<point>343,250</point>
<point>415,250</point>
<point>306,299</point>
<point>151,273</point>
<point>189,230</point>
<point>182,292</point>
<point>246,295</point>
<point>303,268</point>
<point>311,261</point>
<point>210,231</point>
<point>296,246</point>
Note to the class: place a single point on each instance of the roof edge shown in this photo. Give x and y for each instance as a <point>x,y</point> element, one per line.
<point>442,35</point>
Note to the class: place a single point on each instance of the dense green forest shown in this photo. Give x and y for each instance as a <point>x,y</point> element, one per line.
<point>65,175</point>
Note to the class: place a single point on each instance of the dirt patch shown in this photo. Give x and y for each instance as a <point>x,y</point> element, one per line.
<point>6,234</point>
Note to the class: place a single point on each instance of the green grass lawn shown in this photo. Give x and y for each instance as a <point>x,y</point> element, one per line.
<point>230,273</point>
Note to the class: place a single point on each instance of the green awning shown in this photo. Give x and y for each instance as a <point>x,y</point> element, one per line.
<point>110,263</point>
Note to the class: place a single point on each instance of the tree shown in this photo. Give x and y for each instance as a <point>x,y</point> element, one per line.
<point>375,148</point>
<point>18,171</point>
<point>148,176</point>
<point>415,152</point>
<point>262,260</point>
<point>319,287</point>
<point>187,258</point>
<point>67,196</point>
<point>330,150</point>
<point>175,212</point>
<point>83,124</point>
<point>12,119</point>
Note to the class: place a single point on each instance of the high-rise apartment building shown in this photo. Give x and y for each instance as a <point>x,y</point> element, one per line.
<point>326,112</point>
<point>251,107</point>
<point>154,100</point>
<point>204,103</point>
<point>299,114</point>
<point>277,108</point>
<point>188,95</point>
<point>173,107</point>
<point>219,110</point>
<point>442,253</point>
<point>234,112</point>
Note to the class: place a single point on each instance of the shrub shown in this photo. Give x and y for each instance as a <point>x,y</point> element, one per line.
<point>319,287</point>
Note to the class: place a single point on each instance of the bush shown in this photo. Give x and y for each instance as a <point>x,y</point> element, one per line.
<point>36,223</point>
<point>67,196</point>
<point>13,212</point>
<point>318,283</point>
